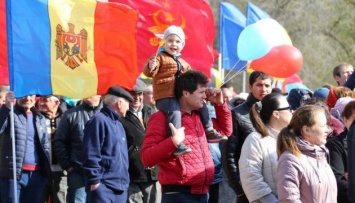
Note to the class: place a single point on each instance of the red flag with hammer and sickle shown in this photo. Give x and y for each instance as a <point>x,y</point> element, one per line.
<point>193,16</point>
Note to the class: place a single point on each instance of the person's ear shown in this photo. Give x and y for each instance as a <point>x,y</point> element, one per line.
<point>306,131</point>
<point>276,114</point>
<point>185,93</point>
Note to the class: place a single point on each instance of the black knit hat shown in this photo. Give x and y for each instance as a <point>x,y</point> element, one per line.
<point>120,92</point>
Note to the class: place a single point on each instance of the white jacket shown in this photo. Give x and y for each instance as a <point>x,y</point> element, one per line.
<point>258,166</point>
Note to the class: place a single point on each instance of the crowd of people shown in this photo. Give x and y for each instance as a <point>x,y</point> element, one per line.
<point>171,141</point>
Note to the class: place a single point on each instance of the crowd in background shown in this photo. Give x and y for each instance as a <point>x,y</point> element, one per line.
<point>153,143</point>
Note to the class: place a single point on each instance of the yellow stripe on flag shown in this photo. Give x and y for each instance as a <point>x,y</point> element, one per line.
<point>73,74</point>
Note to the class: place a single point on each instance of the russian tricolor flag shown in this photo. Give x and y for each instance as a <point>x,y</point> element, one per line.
<point>74,48</point>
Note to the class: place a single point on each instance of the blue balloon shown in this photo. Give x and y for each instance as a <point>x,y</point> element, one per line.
<point>257,39</point>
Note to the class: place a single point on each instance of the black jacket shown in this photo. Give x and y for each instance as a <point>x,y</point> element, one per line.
<point>135,132</point>
<point>351,162</point>
<point>338,161</point>
<point>68,141</point>
<point>242,127</point>
<point>20,127</point>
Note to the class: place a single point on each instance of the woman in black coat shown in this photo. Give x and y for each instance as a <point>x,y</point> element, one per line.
<point>342,156</point>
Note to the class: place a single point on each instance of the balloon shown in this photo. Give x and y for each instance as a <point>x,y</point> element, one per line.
<point>216,78</point>
<point>257,39</point>
<point>281,61</point>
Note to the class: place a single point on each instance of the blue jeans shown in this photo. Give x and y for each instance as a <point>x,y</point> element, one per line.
<point>29,188</point>
<point>104,194</point>
<point>184,198</point>
<point>76,187</point>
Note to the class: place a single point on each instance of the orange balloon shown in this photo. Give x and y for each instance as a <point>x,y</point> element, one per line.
<point>281,61</point>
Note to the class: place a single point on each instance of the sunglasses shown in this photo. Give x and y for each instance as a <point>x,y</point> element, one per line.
<point>284,108</point>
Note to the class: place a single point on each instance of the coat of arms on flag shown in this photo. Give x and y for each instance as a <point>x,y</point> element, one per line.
<point>71,47</point>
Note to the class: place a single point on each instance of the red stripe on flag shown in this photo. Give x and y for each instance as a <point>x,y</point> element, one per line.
<point>194,16</point>
<point>115,45</point>
<point>4,73</point>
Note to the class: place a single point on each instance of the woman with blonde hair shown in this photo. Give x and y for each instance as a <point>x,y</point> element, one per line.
<point>303,172</point>
<point>258,160</point>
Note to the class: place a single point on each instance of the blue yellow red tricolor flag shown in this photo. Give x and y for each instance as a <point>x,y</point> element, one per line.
<point>74,48</point>
<point>195,17</point>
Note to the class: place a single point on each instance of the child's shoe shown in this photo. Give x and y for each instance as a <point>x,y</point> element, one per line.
<point>182,149</point>
<point>213,136</point>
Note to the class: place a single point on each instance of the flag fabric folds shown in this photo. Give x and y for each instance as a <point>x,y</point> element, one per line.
<point>4,74</point>
<point>73,48</point>
<point>194,16</point>
<point>255,14</point>
<point>232,23</point>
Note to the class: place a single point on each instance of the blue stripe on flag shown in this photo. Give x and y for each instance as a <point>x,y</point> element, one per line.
<point>29,47</point>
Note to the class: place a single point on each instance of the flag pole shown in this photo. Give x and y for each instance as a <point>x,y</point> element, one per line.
<point>12,128</point>
<point>244,79</point>
<point>220,67</point>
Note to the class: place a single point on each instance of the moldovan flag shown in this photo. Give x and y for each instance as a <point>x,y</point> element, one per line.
<point>73,48</point>
<point>195,17</point>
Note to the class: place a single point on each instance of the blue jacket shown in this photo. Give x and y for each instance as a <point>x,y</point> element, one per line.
<point>216,157</point>
<point>20,127</point>
<point>105,153</point>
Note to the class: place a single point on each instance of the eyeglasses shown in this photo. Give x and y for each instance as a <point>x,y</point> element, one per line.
<point>148,92</point>
<point>284,108</point>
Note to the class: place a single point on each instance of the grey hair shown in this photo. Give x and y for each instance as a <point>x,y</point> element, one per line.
<point>110,99</point>
<point>54,99</point>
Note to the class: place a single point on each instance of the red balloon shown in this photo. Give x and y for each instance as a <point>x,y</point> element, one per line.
<point>281,61</point>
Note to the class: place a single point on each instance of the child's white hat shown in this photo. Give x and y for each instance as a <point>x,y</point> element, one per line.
<point>176,30</point>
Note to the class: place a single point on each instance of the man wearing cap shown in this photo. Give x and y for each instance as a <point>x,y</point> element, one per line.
<point>68,145</point>
<point>56,188</point>
<point>144,186</point>
<point>105,154</point>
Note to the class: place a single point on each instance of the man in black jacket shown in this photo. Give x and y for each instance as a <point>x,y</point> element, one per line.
<point>68,145</point>
<point>144,186</point>
<point>259,86</point>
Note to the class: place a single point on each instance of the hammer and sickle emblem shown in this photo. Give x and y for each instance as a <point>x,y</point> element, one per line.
<point>160,26</point>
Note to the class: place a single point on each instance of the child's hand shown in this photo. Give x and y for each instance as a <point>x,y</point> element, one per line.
<point>153,64</point>
<point>346,176</point>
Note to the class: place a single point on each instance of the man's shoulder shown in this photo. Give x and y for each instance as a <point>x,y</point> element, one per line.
<point>74,110</point>
<point>148,109</point>
<point>242,109</point>
<point>158,116</point>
